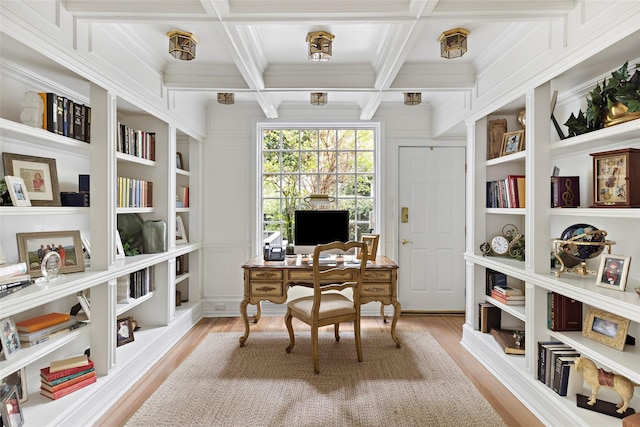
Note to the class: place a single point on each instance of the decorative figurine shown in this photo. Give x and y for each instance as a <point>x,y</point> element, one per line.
<point>33,107</point>
<point>598,377</point>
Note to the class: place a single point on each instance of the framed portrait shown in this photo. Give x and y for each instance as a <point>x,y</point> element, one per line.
<point>124,331</point>
<point>512,142</point>
<point>606,328</point>
<point>613,272</point>
<point>497,128</point>
<point>10,339</point>
<point>17,191</point>
<point>11,411</point>
<point>19,380</point>
<point>40,177</point>
<point>179,161</point>
<point>32,248</point>
<point>371,241</point>
<point>181,233</point>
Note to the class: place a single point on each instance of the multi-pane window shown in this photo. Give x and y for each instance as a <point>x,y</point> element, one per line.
<point>339,162</point>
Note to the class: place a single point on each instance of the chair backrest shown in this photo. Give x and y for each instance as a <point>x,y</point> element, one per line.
<point>339,276</point>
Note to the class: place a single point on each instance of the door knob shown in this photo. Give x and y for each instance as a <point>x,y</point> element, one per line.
<point>406,242</point>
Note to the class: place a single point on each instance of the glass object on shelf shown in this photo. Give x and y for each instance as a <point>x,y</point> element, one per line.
<point>50,267</point>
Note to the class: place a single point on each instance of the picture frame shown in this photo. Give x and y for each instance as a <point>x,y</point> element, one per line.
<point>18,379</point>
<point>124,331</point>
<point>40,175</point>
<point>371,240</point>
<point>497,129</point>
<point>512,142</point>
<point>179,161</point>
<point>181,233</point>
<point>605,328</point>
<point>10,339</point>
<point>32,248</point>
<point>11,411</point>
<point>17,191</point>
<point>613,272</point>
<point>119,248</point>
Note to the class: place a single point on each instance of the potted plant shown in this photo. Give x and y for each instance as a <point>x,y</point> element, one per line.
<point>614,101</point>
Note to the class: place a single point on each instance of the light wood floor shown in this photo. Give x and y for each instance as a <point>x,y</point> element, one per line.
<point>446,329</point>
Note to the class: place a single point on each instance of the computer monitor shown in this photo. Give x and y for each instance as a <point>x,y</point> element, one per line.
<point>314,227</point>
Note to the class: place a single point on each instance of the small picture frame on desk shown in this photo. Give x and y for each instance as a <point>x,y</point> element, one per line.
<point>371,240</point>
<point>124,331</point>
<point>512,142</point>
<point>613,272</point>
<point>606,328</point>
<point>181,233</point>
<point>17,191</point>
<point>19,380</point>
<point>10,339</point>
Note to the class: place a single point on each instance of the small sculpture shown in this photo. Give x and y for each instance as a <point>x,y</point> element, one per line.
<point>598,377</point>
<point>33,106</point>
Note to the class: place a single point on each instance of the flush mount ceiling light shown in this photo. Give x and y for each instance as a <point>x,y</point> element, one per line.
<point>453,43</point>
<point>226,98</point>
<point>320,45</point>
<point>319,199</point>
<point>412,98</point>
<point>182,45</point>
<point>318,98</point>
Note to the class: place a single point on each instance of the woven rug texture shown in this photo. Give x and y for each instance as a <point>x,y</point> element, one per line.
<point>221,384</point>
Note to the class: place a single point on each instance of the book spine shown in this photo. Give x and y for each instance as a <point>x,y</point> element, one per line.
<point>70,382</point>
<point>42,322</point>
<point>52,376</point>
<point>44,338</point>
<point>68,377</point>
<point>13,269</point>
<point>32,336</point>
<point>67,390</point>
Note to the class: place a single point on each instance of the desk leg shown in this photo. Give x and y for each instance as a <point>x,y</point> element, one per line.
<point>396,315</point>
<point>245,319</point>
<point>258,314</point>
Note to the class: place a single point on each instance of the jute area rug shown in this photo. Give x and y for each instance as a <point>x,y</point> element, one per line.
<point>221,384</point>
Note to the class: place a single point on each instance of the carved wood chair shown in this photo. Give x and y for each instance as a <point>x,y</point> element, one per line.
<point>327,306</point>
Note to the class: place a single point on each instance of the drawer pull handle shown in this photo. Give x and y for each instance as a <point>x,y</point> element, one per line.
<point>266,274</point>
<point>375,290</point>
<point>266,288</point>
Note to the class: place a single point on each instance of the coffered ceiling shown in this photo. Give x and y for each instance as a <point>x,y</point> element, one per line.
<point>257,48</point>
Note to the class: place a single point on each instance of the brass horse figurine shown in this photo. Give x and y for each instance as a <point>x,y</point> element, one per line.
<point>598,377</point>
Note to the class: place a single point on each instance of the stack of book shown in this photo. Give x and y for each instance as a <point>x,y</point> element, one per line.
<point>46,327</point>
<point>508,295</point>
<point>556,367</point>
<point>13,277</point>
<point>65,376</point>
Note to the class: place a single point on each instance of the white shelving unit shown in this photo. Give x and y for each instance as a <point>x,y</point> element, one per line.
<point>162,325</point>
<point>540,224</point>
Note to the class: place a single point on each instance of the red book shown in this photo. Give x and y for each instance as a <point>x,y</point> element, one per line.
<point>68,383</point>
<point>50,376</point>
<point>68,390</point>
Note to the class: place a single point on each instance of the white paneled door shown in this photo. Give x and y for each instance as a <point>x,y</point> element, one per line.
<point>431,229</point>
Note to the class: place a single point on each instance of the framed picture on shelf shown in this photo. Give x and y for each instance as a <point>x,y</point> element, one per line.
<point>181,233</point>
<point>606,328</point>
<point>124,331</point>
<point>497,128</point>
<point>613,272</point>
<point>18,379</point>
<point>17,190</point>
<point>10,340</point>
<point>40,176</point>
<point>119,247</point>
<point>32,248</point>
<point>179,161</point>
<point>512,142</point>
<point>371,240</point>
<point>11,411</point>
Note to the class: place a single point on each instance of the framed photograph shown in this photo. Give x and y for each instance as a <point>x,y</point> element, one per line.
<point>613,272</point>
<point>512,142</point>
<point>11,411</point>
<point>19,380</point>
<point>497,129</point>
<point>40,177</point>
<point>371,240</point>
<point>10,339</point>
<point>179,161</point>
<point>181,233</point>
<point>119,247</point>
<point>17,191</point>
<point>124,331</point>
<point>32,248</point>
<point>606,328</point>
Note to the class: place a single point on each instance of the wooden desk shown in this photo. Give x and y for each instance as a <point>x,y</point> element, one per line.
<point>270,281</point>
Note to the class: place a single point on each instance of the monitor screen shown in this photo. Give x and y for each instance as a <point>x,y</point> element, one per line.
<point>319,227</point>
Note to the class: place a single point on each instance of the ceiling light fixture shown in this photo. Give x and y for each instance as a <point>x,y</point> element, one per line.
<point>320,45</point>
<point>318,98</point>
<point>453,43</point>
<point>226,98</point>
<point>412,98</point>
<point>182,45</point>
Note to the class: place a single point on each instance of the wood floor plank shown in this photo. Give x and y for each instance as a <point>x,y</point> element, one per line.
<point>446,329</point>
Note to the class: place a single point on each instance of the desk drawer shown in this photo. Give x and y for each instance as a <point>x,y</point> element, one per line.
<point>307,276</point>
<point>375,290</point>
<point>377,276</point>
<point>265,274</point>
<point>271,289</point>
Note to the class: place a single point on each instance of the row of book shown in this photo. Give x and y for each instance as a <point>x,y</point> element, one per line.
<point>66,117</point>
<point>13,277</point>
<point>507,193</point>
<point>556,367</point>
<point>46,327</point>
<point>134,193</point>
<point>141,282</point>
<point>65,376</point>
<point>136,142</point>
<point>182,200</point>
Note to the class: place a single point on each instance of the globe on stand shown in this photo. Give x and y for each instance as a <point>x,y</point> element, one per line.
<point>576,245</point>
